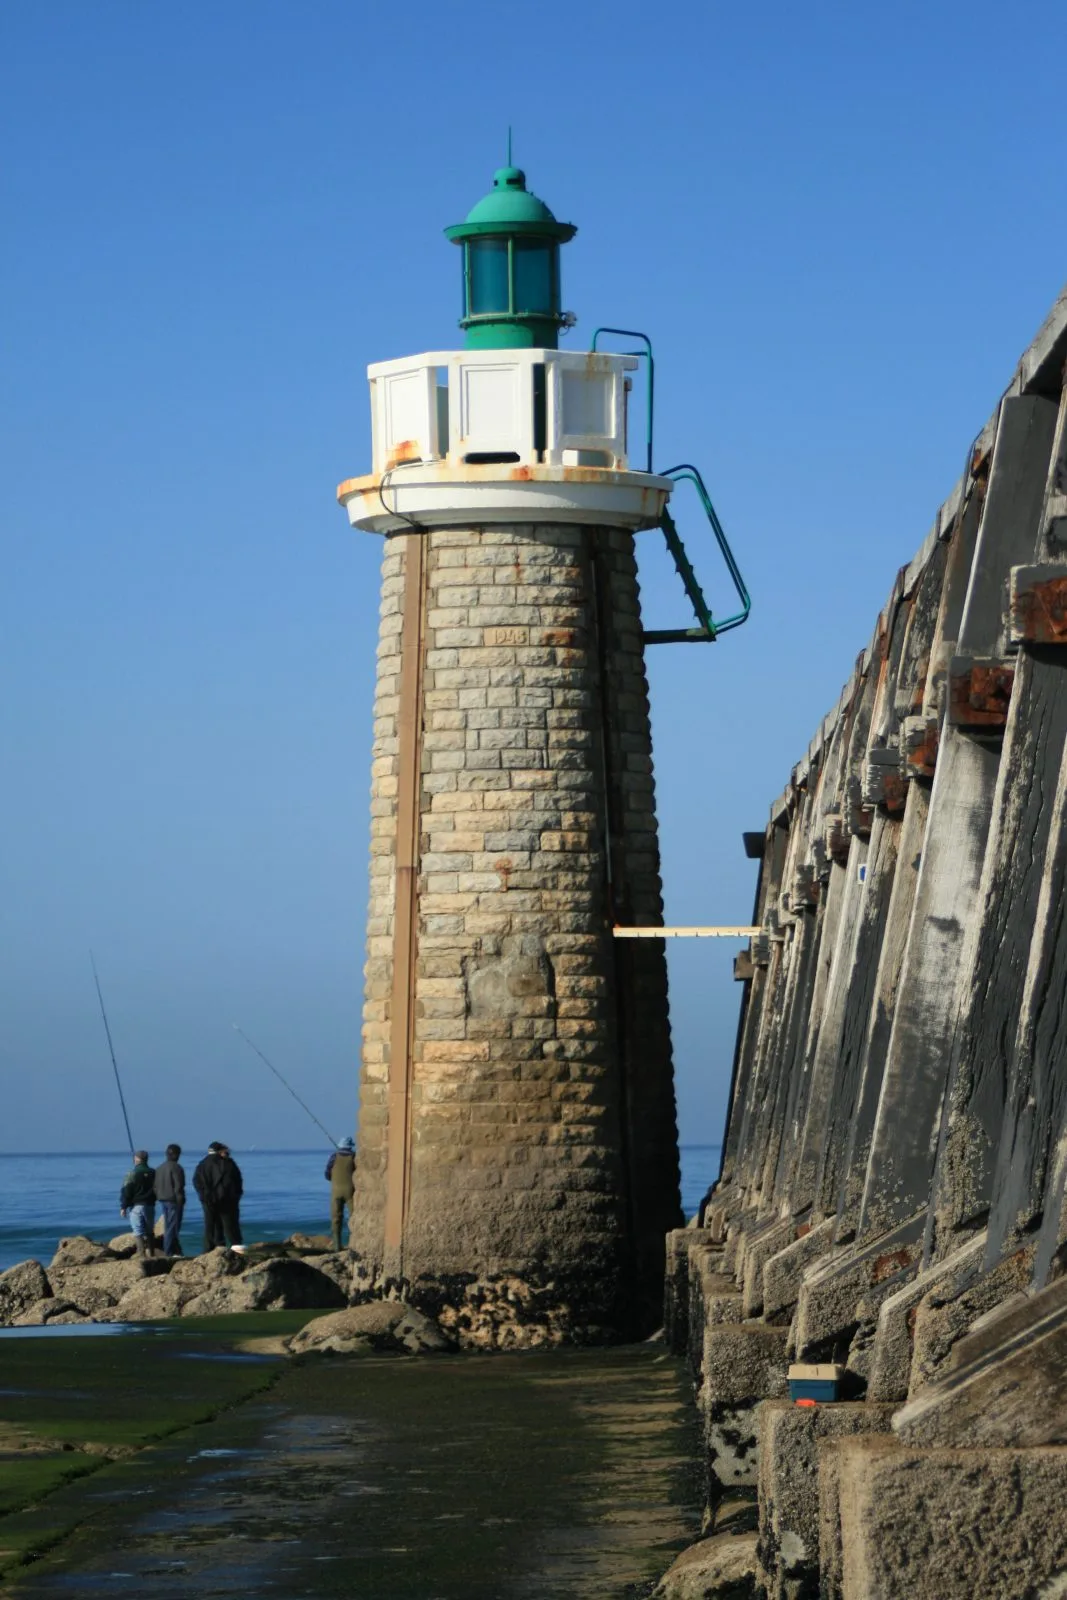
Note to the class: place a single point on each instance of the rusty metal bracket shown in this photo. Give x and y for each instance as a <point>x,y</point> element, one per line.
<point>883,781</point>
<point>979,692</point>
<point>838,839</point>
<point>859,816</point>
<point>1037,604</point>
<point>919,739</point>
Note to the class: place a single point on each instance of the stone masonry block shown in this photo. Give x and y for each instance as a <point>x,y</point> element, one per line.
<point>951,1524</point>
<point>1013,1390</point>
<point>759,1246</point>
<point>783,1272</point>
<point>947,1311</point>
<point>789,1439</point>
<point>890,1370</point>
<point>828,1306</point>
<point>742,1365</point>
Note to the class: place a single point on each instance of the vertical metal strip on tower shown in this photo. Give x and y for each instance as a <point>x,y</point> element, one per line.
<point>405,913</point>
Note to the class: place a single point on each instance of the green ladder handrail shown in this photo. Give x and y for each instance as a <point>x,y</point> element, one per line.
<point>708,630</point>
<point>630,333</point>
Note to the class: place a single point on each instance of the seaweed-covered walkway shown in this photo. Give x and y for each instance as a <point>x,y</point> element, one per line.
<point>460,1478</point>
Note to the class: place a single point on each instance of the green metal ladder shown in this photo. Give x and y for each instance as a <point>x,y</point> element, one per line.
<point>707,629</point>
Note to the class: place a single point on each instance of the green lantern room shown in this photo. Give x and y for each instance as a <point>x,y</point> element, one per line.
<point>511,281</point>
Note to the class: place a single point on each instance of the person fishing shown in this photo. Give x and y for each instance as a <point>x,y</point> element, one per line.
<point>137,1200</point>
<point>217,1180</point>
<point>340,1171</point>
<point>170,1192</point>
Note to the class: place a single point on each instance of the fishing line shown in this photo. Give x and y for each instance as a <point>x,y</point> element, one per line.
<point>111,1047</point>
<point>286,1085</point>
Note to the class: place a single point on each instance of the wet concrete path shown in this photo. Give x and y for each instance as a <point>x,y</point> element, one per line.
<point>543,1476</point>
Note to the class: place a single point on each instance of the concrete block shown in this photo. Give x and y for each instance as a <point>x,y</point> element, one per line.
<point>950,1524</point>
<point>676,1291</point>
<point>737,1227</point>
<point>947,1311</point>
<point>784,1271</point>
<point>789,1440</point>
<point>760,1246</point>
<point>1013,1392</point>
<point>742,1365</point>
<point>828,1306</point>
<point>890,1369</point>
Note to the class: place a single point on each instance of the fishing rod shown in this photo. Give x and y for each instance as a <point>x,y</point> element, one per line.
<point>111,1047</point>
<point>286,1085</point>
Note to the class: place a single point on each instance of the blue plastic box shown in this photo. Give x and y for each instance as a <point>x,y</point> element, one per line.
<point>815,1384</point>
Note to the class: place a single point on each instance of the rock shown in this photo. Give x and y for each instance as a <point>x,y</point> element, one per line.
<point>123,1245</point>
<point>313,1243</point>
<point>49,1310</point>
<point>282,1285</point>
<point>20,1288</point>
<point>153,1300</point>
<point>338,1265</point>
<point>78,1251</point>
<point>209,1268</point>
<point>720,1568</point>
<point>101,1283</point>
<point>377,1325</point>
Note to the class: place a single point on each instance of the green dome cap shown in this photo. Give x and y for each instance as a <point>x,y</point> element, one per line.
<point>509,207</point>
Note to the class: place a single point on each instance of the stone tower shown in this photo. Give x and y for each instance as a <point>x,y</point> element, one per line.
<point>517,1167</point>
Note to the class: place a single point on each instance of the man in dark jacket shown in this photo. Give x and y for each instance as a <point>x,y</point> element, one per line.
<point>170,1192</point>
<point>137,1200</point>
<point>217,1180</point>
<point>340,1170</point>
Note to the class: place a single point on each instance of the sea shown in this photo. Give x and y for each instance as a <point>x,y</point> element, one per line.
<point>44,1198</point>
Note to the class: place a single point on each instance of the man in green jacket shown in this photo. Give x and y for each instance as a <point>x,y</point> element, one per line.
<point>340,1170</point>
<point>137,1200</point>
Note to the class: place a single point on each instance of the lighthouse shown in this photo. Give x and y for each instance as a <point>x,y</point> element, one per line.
<point>517,1149</point>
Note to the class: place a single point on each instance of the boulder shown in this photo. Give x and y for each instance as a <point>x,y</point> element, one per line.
<point>122,1245</point>
<point>209,1268</point>
<point>313,1243</point>
<point>723,1567</point>
<point>78,1251</point>
<point>336,1264</point>
<point>50,1310</point>
<point>377,1325</point>
<point>20,1288</point>
<point>152,1300</point>
<point>101,1283</point>
<point>282,1285</point>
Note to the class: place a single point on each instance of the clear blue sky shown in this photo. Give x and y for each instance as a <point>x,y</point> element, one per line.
<point>840,224</point>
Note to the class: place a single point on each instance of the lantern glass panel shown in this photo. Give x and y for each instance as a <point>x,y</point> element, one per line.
<point>488,276</point>
<point>534,275</point>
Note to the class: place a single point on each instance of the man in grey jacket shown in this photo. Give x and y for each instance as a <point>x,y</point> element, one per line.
<point>170,1192</point>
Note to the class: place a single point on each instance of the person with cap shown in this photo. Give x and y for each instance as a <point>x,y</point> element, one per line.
<point>137,1200</point>
<point>217,1180</point>
<point>340,1172</point>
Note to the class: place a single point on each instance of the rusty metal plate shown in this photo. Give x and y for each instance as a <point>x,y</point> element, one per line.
<point>979,692</point>
<point>1037,606</point>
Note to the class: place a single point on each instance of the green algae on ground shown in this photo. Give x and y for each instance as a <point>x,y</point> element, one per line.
<point>563,1473</point>
<point>133,1389</point>
<point>26,1478</point>
<point>70,1405</point>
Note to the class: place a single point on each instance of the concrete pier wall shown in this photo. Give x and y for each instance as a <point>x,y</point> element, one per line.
<point>892,1197</point>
